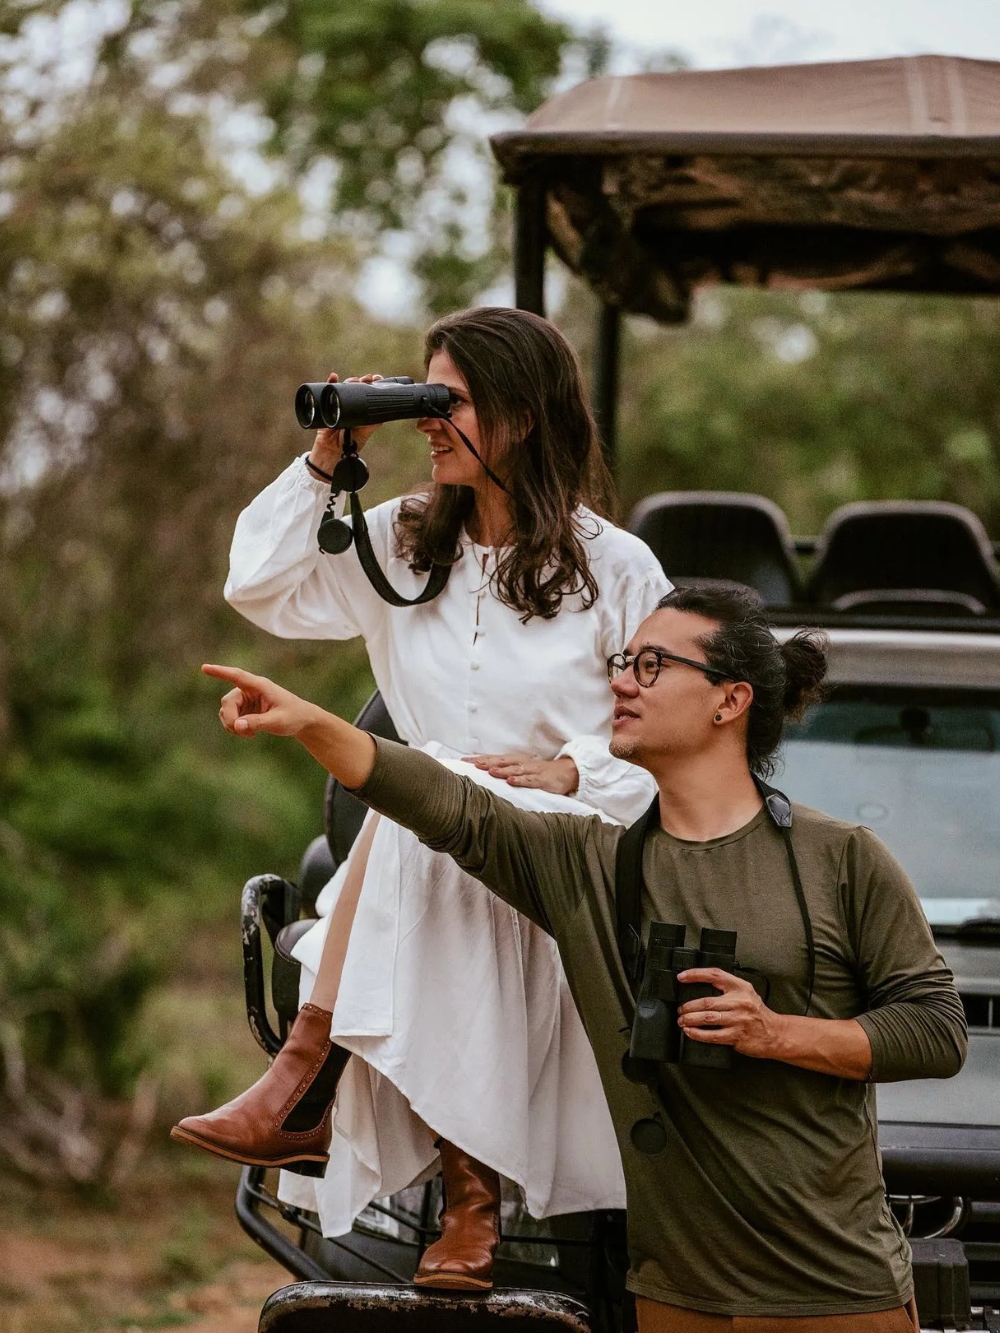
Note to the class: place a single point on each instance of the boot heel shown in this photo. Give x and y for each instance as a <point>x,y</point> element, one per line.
<point>316,1170</point>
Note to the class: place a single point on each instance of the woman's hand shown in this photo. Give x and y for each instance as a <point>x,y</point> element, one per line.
<point>527,770</point>
<point>257,704</point>
<point>329,444</point>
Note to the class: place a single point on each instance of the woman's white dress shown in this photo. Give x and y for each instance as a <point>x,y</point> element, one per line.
<point>456,1004</point>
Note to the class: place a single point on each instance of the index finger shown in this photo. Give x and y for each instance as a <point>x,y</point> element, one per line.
<point>235,675</point>
<point>712,976</point>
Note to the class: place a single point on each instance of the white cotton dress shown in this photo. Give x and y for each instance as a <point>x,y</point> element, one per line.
<point>456,1004</point>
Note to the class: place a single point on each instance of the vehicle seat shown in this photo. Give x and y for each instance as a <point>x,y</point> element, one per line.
<point>906,557</point>
<point>344,814</point>
<point>721,535</point>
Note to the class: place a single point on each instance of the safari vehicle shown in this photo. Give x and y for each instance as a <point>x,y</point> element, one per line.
<point>883,175</point>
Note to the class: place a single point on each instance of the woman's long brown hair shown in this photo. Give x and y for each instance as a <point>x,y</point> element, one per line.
<point>538,434</point>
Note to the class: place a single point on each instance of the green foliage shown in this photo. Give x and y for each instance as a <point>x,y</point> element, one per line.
<point>155,318</point>
<point>371,85</point>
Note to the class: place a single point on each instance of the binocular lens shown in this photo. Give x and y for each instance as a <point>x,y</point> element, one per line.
<point>307,405</point>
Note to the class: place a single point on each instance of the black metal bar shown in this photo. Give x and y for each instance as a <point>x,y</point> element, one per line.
<point>606,375</point>
<point>529,244</point>
<point>255,893</point>
<point>917,1170</point>
<point>250,1195</point>
<point>267,1236</point>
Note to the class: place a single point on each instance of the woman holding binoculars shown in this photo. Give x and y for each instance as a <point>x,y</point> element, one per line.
<point>466,1041</point>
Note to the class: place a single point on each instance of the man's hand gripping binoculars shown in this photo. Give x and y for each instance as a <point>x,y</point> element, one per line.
<point>657,1038</point>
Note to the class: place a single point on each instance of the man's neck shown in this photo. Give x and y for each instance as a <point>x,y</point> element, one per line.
<point>706,797</point>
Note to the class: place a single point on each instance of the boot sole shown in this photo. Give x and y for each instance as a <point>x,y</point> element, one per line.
<point>305,1164</point>
<point>454,1282</point>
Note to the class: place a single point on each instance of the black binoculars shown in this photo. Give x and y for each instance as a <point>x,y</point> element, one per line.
<point>656,1038</point>
<point>346,406</point>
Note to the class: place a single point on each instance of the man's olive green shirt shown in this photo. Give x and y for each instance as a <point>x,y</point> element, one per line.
<point>768,1199</point>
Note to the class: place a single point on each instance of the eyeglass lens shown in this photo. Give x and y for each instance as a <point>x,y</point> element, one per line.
<point>645,665</point>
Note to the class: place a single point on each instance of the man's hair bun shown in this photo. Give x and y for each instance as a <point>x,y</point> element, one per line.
<point>786,677</point>
<point>805,656</point>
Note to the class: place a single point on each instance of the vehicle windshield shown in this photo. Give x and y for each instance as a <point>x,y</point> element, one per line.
<point>922,769</point>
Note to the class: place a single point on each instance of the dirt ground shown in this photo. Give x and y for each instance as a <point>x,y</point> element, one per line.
<point>168,1254</point>
<point>166,1250</point>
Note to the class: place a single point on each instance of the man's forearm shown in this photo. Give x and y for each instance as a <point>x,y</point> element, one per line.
<point>344,750</point>
<point>837,1046</point>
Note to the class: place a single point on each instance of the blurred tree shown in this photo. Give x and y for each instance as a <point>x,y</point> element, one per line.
<point>155,315</point>
<point>813,400</point>
<point>393,99</point>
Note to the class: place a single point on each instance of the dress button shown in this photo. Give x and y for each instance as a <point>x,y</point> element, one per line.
<point>473,708</point>
<point>474,666</point>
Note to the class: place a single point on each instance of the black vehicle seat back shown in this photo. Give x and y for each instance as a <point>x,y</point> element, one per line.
<point>721,535</point>
<point>286,970</point>
<point>315,870</point>
<point>344,813</point>
<point>921,556</point>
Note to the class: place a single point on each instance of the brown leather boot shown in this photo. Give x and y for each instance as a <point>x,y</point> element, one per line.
<point>284,1119</point>
<point>462,1260</point>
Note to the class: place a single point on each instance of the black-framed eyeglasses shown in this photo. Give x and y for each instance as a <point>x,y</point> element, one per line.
<point>647,662</point>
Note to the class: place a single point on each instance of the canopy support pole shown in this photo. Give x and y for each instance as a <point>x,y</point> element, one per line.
<point>529,244</point>
<point>606,377</point>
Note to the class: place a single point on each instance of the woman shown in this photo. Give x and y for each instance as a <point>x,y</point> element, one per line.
<point>470,1046</point>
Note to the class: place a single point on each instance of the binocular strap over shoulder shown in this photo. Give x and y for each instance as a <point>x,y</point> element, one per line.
<point>629,882</point>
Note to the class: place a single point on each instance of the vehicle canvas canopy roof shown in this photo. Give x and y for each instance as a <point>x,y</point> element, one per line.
<point>877,174</point>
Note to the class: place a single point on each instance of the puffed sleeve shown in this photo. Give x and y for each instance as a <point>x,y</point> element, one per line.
<point>280,580</point>
<point>618,788</point>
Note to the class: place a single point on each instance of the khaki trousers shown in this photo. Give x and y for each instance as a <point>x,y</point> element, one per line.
<point>655,1317</point>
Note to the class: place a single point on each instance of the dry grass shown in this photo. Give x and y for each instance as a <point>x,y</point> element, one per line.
<point>168,1253</point>
<point>165,1250</point>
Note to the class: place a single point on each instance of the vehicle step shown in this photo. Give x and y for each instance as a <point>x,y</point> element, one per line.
<point>320,1307</point>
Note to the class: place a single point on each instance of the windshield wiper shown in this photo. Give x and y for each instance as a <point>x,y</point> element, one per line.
<point>976,929</point>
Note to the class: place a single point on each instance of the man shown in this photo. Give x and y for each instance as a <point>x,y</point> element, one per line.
<point>762,1206</point>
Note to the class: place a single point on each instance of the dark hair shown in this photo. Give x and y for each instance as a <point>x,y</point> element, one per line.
<point>786,677</point>
<point>527,388</point>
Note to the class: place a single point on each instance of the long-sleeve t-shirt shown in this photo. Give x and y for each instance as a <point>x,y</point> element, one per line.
<point>768,1198</point>
<point>461,670</point>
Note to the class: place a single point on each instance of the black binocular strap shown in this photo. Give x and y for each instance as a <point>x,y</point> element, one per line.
<point>362,539</point>
<point>446,416</point>
<point>800,897</point>
<point>363,543</point>
<point>628,884</point>
<point>628,891</point>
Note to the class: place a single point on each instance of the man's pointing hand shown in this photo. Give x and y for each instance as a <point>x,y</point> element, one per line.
<point>257,704</point>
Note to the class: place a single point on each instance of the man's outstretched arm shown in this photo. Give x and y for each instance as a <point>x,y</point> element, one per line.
<point>539,863</point>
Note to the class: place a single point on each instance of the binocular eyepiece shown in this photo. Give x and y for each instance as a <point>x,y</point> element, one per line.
<point>346,406</point>
<point>656,1038</point>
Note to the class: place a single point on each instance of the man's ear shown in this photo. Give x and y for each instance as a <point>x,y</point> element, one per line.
<point>739,697</point>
